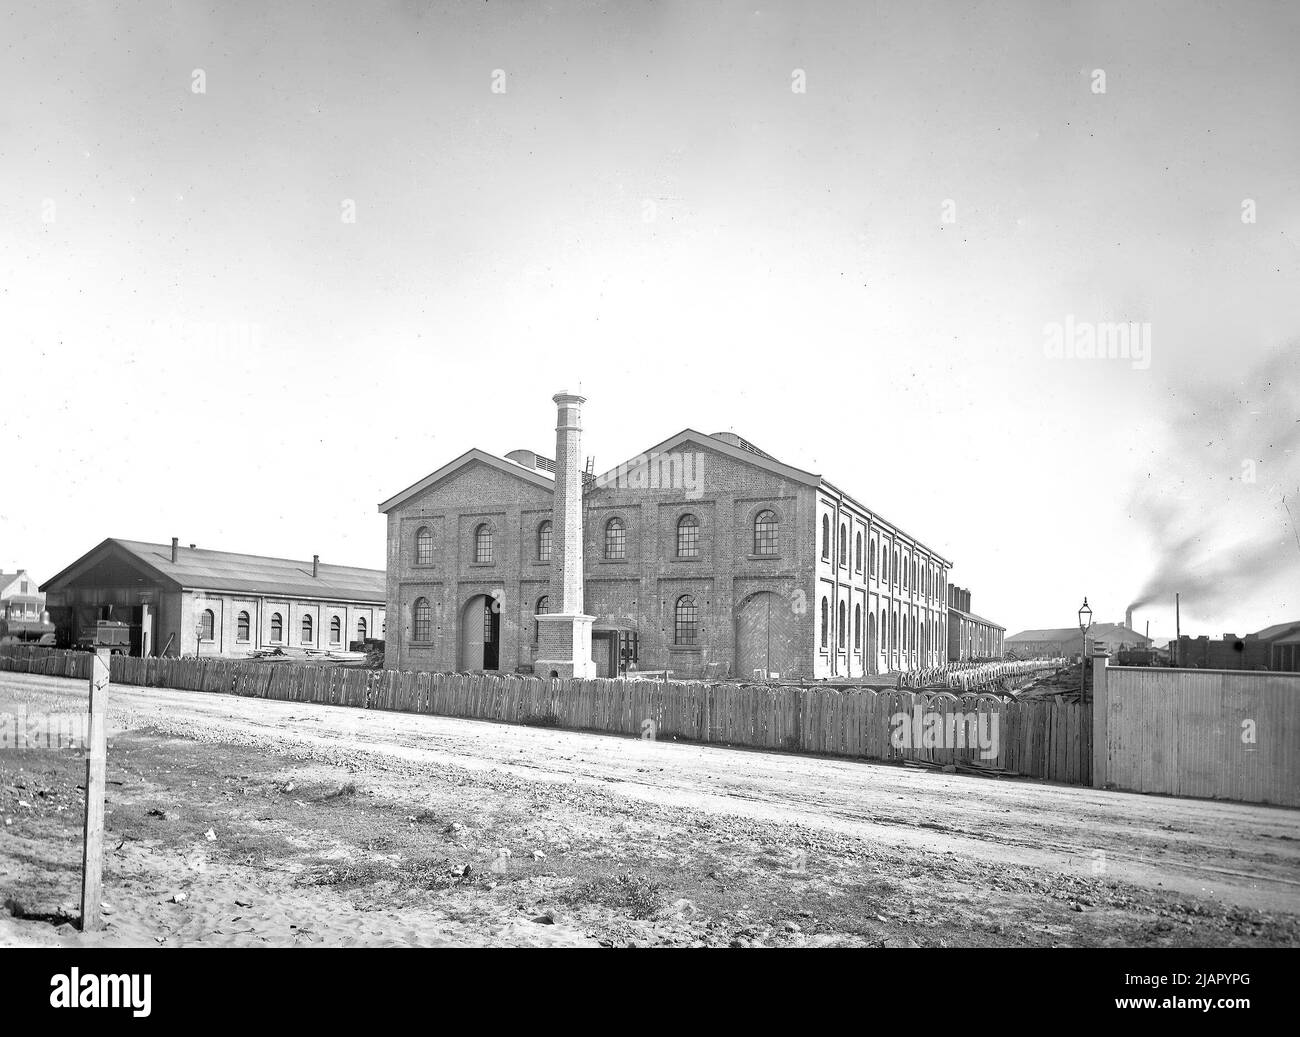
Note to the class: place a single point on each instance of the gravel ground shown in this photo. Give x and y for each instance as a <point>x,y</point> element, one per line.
<point>238,821</point>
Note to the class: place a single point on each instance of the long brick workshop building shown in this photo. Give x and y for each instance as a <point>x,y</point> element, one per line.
<point>704,556</point>
<point>178,600</point>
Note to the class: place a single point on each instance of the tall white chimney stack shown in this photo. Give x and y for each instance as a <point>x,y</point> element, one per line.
<point>564,635</point>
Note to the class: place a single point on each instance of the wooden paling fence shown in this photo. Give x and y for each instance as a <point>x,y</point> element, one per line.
<point>1034,738</point>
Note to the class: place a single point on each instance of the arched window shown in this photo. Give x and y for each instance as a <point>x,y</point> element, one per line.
<point>615,539</point>
<point>361,628</point>
<point>336,630</point>
<point>825,623</point>
<point>207,625</point>
<point>306,630</point>
<point>857,628</point>
<point>894,580</point>
<point>543,607</point>
<point>544,542</point>
<point>688,537</point>
<point>844,545</point>
<point>424,546</point>
<point>826,537</point>
<point>841,624</point>
<point>422,614</point>
<point>483,543</point>
<point>686,630</point>
<point>872,644</point>
<point>873,558</point>
<point>277,627</point>
<point>857,553</point>
<point>242,627</point>
<point>765,533</point>
<point>893,629</point>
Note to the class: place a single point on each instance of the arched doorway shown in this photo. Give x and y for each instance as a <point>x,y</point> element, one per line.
<point>480,635</point>
<point>764,635</point>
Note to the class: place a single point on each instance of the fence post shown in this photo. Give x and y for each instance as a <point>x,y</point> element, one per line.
<point>92,859</point>
<point>1100,709</point>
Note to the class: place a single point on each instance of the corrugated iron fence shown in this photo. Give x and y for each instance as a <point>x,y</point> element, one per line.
<point>1036,739</point>
<point>1222,734</point>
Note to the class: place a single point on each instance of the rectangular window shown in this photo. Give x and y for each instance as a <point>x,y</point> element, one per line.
<point>688,540</point>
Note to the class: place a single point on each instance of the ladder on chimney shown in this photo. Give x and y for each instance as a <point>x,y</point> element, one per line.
<point>589,472</point>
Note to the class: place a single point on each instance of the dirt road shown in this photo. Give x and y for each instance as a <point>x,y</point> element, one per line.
<point>734,833</point>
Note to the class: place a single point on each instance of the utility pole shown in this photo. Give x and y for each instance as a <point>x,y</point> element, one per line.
<point>1178,633</point>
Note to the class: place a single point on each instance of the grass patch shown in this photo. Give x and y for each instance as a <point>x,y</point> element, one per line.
<point>424,873</point>
<point>630,895</point>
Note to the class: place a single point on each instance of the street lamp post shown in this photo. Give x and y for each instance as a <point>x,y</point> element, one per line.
<point>1085,624</point>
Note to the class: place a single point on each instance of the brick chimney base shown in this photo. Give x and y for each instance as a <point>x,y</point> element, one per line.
<point>564,646</point>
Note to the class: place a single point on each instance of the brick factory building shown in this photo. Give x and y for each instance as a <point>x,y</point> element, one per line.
<point>704,556</point>
<point>1067,642</point>
<point>970,637</point>
<point>1274,648</point>
<point>187,600</point>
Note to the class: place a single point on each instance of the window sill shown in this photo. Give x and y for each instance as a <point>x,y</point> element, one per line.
<point>482,565</point>
<point>763,558</point>
<point>686,648</point>
<point>686,558</point>
<point>613,561</point>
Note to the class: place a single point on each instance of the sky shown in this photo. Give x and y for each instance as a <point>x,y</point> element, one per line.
<point>263,267</point>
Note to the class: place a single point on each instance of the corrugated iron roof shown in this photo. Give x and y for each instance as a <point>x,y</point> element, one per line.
<point>977,619</point>
<point>1268,633</point>
<point>203,569</point>
<point>1098,632</point>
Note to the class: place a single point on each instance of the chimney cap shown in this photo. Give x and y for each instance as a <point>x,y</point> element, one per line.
<point>564,396</point>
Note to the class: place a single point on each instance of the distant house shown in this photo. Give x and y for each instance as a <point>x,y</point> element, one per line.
<point>193,601</point>
<point>1068,641</point>
<point>20,599</point>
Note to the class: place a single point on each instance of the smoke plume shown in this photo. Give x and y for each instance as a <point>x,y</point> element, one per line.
<point>1223,494</point>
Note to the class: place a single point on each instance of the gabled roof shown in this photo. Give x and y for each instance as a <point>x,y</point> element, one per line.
<point>1098,632</point>
<point>1276,630</point>
<point>200,568</point>
<point>1049,634</point>
<point>975,618</point>
<point>532,475</point>
<point>752,456</point>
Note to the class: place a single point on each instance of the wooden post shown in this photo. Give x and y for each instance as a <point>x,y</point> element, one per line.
<point>1100,709</point>
<point>92,860</point>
